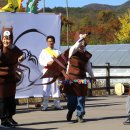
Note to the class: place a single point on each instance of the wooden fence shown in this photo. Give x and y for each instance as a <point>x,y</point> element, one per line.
<point>108,87</point>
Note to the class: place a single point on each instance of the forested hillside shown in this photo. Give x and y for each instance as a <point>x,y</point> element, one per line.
<point>3,2</point>
<point>102,20</point>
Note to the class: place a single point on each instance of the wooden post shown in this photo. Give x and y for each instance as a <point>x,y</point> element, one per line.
<point>90,90</point>
<point>108,78</point>
<point>129,91</point>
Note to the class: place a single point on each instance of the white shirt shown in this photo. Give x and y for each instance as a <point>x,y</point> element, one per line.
<point>45,57</point>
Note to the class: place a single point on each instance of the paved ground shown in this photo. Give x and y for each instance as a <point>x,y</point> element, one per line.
<point>102,113</point>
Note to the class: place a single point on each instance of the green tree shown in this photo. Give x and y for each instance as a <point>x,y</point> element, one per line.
<point>85,22</point>
<point>105,16</point>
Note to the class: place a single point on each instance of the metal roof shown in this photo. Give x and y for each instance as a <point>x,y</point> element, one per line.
<point>115,54</point>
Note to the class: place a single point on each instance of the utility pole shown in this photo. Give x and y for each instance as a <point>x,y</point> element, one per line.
<point>44,5</point>
<point>67,15</point>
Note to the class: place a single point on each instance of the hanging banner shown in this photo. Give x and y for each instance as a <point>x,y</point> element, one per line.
<point>32,44</point>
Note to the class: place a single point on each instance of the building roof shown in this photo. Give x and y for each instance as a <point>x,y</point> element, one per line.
<point>115,54</point>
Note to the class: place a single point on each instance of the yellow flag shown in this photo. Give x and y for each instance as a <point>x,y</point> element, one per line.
<point>12,6</point>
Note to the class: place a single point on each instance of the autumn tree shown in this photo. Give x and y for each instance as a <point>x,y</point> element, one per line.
<point>107,25</point>
<point>105,16</point>
<point>3,3</point>
<point>123,35</point>
<point>66,24</point>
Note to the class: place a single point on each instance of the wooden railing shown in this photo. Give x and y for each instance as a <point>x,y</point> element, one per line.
<point>108,87</point>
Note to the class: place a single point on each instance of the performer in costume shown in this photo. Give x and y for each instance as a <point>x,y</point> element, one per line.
<point>10,55</point>
<point>127,122</point>
<point>120,89</point>
<point>78,65</point>
<point>45,60</point>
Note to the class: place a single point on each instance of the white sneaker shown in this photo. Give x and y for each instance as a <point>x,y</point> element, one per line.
<point>44,109</point>
<point>58,108</point>
<point>2,126</point>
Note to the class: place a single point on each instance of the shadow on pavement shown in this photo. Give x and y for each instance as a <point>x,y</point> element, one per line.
<point>38,123</point>
<point>103,104</point>
<point>28,110</point>
<point>105,118</point>
<point>16,128</point>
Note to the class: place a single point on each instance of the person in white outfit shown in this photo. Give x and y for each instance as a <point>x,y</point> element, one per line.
<point>45,60</point>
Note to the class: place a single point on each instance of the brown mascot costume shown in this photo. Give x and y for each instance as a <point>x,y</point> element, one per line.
<point>10,55</point>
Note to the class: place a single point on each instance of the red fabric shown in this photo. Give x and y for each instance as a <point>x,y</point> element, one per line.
<point>46,67</point>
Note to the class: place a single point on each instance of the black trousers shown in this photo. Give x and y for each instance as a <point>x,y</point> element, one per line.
<point>7,107</point>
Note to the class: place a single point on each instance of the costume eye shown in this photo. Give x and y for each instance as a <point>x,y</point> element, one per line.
<point>6,33</point>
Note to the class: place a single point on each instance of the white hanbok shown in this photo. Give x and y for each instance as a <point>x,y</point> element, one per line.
<point>51,89</point>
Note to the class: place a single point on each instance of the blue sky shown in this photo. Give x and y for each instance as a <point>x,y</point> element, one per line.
<point>76,3</point>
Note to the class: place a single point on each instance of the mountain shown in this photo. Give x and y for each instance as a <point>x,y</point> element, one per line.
<point>95,6</point>
<point>90,7</point>
<point>124,6</point>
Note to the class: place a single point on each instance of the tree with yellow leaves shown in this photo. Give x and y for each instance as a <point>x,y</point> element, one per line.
<point>123,35</point>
